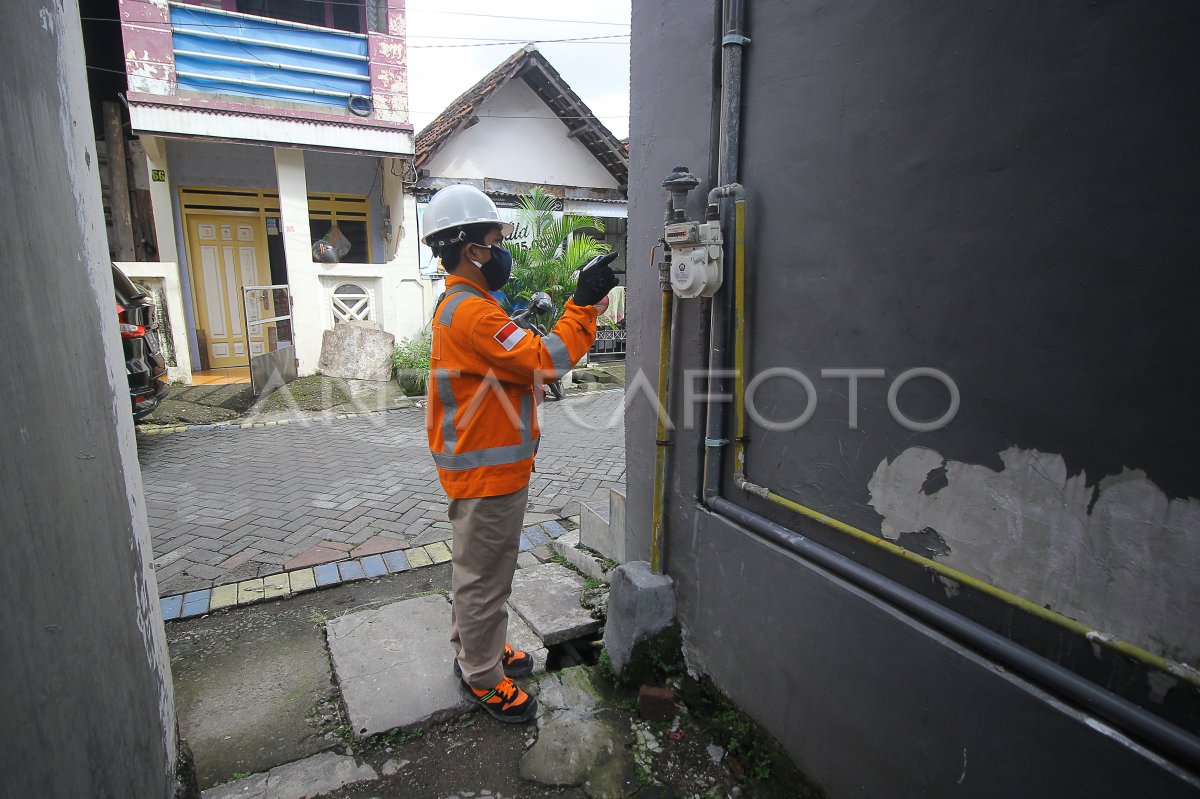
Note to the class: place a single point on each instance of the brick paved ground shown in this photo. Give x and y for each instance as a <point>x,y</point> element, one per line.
<point>227,505</point>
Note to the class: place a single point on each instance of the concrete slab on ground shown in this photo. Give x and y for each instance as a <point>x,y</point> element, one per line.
<point>304,778</point>
<point>395,665</point>
<point>522,637</point>
<point>547,598</point>
<point>245,691</point>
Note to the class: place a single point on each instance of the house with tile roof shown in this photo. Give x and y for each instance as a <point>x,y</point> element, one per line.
<point>522,126</point>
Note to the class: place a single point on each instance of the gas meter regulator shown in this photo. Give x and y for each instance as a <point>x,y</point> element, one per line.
<point>696,252</point>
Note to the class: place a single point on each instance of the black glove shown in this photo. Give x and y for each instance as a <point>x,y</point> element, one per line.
<point>596,279</point>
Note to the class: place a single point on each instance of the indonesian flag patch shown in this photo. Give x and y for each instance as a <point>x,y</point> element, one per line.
<point>510,335</point>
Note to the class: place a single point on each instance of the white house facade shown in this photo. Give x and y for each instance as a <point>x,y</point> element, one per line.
<point>263,135</point>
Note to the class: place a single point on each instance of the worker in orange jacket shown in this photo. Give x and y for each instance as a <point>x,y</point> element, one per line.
<point>484,383</point>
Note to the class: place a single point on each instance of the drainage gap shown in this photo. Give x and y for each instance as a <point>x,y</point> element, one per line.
<point>583,651</point>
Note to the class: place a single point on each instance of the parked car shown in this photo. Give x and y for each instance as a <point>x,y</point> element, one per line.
<point>144,361</point>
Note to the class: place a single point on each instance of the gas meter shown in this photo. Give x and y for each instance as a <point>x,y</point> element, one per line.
<point>696,247</point>
<point>695,258</point>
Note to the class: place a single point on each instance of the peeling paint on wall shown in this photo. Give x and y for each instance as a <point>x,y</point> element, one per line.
<point>148,77</point>
<point>1119,556</point>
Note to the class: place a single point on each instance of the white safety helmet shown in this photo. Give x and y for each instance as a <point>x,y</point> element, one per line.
<point>455,206</point>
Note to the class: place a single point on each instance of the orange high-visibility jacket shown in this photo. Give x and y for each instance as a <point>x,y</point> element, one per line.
<point>482,419</point>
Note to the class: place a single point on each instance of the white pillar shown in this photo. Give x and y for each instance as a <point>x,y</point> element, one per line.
<point>303,281</point>
<point>160,198</point>
<point>162,208</point>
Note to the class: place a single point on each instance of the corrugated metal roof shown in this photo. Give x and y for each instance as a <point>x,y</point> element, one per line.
<point>217,125</point>
<point>532,67</point>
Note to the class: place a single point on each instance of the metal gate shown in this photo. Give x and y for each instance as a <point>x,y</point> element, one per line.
<point>268,314</point>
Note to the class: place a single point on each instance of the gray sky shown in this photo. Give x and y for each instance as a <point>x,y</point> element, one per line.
<point>597,71</point>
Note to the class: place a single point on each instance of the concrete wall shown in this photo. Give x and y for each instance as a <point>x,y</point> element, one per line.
<point>1003,194</point>
<point>85,681</point>
<point>518,138</point>
<point>165,274</point>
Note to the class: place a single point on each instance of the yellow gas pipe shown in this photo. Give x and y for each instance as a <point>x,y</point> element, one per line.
<point>660,436</point>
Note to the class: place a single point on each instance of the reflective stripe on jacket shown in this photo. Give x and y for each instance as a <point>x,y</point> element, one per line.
<point>482,419</point>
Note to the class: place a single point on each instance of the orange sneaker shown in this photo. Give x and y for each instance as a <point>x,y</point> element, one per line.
<point>506,701</point>
<point>516,663</point>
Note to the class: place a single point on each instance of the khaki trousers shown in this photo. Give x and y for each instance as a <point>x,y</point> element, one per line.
<point>487,537</point>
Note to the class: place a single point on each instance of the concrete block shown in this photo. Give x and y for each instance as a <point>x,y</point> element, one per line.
<point>374,566</point>
<point>438,552</point>
<point>581,559</point>
<point>396,562</point>
<point>418,557</point>
<point>547,598</point>
<point>526,559</point>
<point>351,570</point>
<point>195,603</point>
<point>536,535</point>
<point>171,606</point>
<point>553,528</point>
<point>358,351</point>
<point>276,585</point>
<point>602,526</point>
<point>327,574</point>
<point>616,526</point>
<point>302,580</point>
<point>394,665</point>
<point>223,596</point>
<point>316,775</point>
<point>641,604</point>
<point>595,532</point>
<point>249,591</point>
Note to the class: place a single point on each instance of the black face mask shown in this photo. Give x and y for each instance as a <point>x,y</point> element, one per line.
<point>496,271</point>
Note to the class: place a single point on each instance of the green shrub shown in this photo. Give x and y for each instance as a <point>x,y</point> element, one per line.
<point>410,362</point>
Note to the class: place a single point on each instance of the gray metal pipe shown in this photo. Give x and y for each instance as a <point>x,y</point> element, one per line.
<point>733,42</point>
<point>1163,735</point>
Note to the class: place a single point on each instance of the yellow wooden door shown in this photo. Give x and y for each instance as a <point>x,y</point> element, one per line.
<point>226,254</point>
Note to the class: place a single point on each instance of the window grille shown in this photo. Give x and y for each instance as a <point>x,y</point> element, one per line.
<point>351,303</point>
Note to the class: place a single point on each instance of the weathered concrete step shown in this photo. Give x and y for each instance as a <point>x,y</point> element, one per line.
<point>547,598</point>
<point>395,664</point>
<point>599,508</point>
<point>602,527</point>
<point>588,562</point>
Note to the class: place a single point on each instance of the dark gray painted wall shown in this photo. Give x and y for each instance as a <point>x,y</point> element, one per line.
<point>1003,193</point>
<point>84,677</point>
